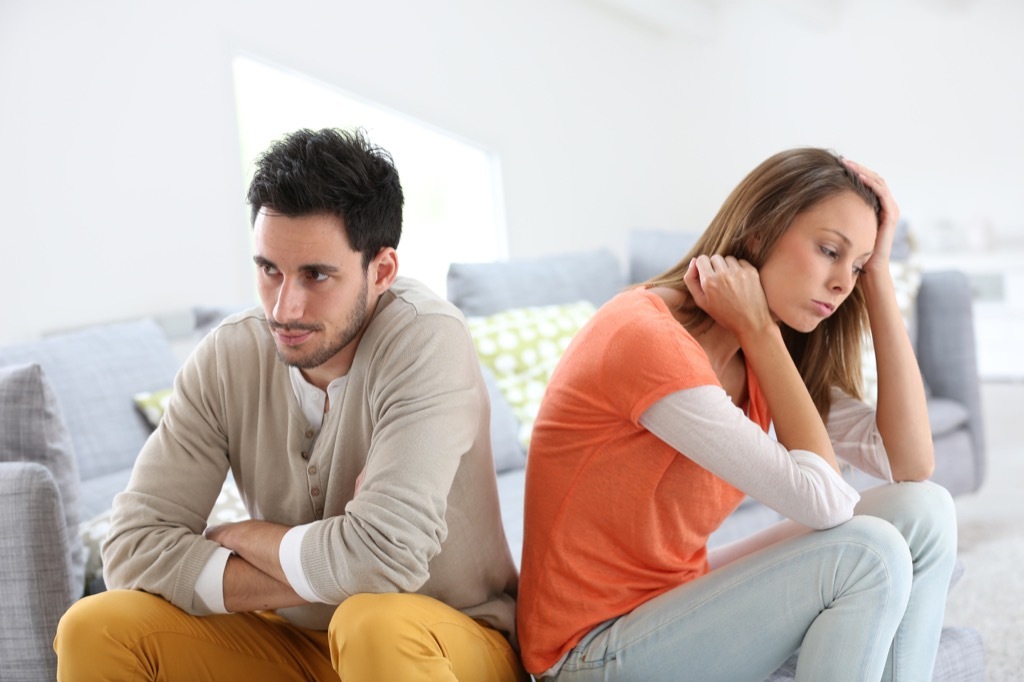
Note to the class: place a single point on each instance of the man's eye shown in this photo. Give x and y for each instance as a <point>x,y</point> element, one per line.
<point>269,270</point>
<point>317,276</point>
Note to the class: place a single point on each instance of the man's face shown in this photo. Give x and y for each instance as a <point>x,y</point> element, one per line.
<point>314,289</point>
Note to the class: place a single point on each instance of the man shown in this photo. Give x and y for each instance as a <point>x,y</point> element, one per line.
<point>352,414</point>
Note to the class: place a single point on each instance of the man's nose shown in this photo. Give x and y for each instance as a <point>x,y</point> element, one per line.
<point>290,304</point>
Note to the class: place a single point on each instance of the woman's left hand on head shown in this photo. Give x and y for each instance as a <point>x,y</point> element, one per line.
<point>888,218</point>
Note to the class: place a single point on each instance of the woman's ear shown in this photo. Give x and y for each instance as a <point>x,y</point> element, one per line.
<point>752,244</point>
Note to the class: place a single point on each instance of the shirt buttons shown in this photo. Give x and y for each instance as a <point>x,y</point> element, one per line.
<point>309,433</point>
<point>311,469</point>
<point>315,492</point>
<point>305,455</point>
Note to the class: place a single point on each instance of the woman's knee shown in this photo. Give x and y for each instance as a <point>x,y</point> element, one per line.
<point>923,512</point>
<point>877,537</point>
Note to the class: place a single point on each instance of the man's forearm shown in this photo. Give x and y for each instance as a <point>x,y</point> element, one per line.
<point>246,588</point>
<point>258,542</point>
<point>254,578</point>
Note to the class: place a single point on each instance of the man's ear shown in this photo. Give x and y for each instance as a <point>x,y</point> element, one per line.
<point>383,269</point>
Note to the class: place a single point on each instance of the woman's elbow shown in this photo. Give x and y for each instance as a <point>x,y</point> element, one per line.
<point>918,467</point>
<point>915,473</point>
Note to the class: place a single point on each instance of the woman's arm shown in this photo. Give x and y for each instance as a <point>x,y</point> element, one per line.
<point>901,412</point>
<point>730,291</point>
<point>703,424</point>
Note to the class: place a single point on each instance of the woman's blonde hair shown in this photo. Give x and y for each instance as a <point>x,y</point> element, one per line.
<point>752,219</point>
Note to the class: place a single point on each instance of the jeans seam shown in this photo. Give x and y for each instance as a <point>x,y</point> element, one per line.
<point>614,654</point>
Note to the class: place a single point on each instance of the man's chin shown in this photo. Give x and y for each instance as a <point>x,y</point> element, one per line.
<point>293,358</point>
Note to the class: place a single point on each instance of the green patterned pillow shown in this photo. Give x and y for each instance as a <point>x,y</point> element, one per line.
<point>153,404</point>
<point>521,347</point>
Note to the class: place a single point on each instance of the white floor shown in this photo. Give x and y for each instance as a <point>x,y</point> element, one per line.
<point>990,596</point>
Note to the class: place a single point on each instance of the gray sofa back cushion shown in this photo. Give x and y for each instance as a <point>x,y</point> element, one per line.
<point>32,430</point>
<point>652,252</point>
<point>488,288</point>
<point>94,374</point>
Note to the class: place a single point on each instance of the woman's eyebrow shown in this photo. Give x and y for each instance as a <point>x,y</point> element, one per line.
<point>846,240</point>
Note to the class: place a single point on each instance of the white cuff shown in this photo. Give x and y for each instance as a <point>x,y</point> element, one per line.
<point>290,555</point>
<point>210,583</point>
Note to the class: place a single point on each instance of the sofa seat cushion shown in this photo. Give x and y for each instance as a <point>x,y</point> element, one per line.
<point>32,430</point>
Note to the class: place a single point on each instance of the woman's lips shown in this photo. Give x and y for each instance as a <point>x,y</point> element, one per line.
<point>825,309</point>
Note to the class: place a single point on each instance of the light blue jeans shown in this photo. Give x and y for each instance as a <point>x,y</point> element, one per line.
<point>861,601</point>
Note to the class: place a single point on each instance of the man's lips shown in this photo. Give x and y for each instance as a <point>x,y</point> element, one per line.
<point>292,336</point>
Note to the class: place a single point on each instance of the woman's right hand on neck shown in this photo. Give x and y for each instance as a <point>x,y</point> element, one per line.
<point>729,290</point>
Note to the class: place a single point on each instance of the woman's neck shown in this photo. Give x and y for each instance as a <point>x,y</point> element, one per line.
<point>720,345</point>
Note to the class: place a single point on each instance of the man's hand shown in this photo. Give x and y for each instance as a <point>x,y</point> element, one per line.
<point>258,542</point>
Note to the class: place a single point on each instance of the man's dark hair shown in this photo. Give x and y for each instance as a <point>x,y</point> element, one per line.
<point>337,172</point>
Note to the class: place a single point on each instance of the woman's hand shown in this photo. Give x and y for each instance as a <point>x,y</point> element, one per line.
<point>887,220</point>
<point>901,410</point>
<point>729,290</point>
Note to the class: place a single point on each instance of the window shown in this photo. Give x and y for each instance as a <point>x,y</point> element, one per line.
<point>453,210</point>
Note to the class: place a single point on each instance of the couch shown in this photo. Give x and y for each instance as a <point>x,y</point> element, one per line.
<point>942,328</point>
<point>70,430</point>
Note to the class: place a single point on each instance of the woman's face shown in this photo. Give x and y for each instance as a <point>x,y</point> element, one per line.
<point>814,266</point>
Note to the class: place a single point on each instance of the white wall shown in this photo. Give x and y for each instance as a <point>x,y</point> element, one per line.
<point>122,188</point>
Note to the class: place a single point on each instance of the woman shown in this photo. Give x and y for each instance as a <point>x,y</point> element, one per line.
<point>654,427</point>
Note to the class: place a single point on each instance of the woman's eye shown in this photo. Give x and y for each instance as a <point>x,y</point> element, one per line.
<point>831,253</point>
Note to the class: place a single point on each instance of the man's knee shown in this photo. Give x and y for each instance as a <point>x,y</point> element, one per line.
<point>102,628</point>
<point>96,618</point>
<point>372,619</point>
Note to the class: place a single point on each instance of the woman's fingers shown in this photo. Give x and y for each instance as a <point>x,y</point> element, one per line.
<point>890,211</point>
<point>889,214</point>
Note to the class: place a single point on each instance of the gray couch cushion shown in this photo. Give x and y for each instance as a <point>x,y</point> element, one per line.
<point>651,252</point>
<point>504,428</point>
<point>488,288</point>
<point>32,430</point>
<point>94,374</point>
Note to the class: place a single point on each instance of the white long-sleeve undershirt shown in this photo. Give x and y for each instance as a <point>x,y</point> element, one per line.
<point>705,425</point>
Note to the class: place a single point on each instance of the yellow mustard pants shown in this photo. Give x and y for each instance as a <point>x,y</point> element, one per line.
<point>129,635</point>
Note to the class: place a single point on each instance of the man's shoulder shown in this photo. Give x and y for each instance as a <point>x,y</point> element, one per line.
<point>416,298</point>
<point>238,335</point>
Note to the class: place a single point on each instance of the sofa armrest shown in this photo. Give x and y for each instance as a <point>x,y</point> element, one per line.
<point>946,349</point>
<point>37,586</point>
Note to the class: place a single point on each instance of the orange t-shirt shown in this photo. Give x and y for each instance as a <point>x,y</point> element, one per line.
<point>614,516</point>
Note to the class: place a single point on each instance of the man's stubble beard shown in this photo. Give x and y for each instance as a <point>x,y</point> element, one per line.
<point>332,347</point>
